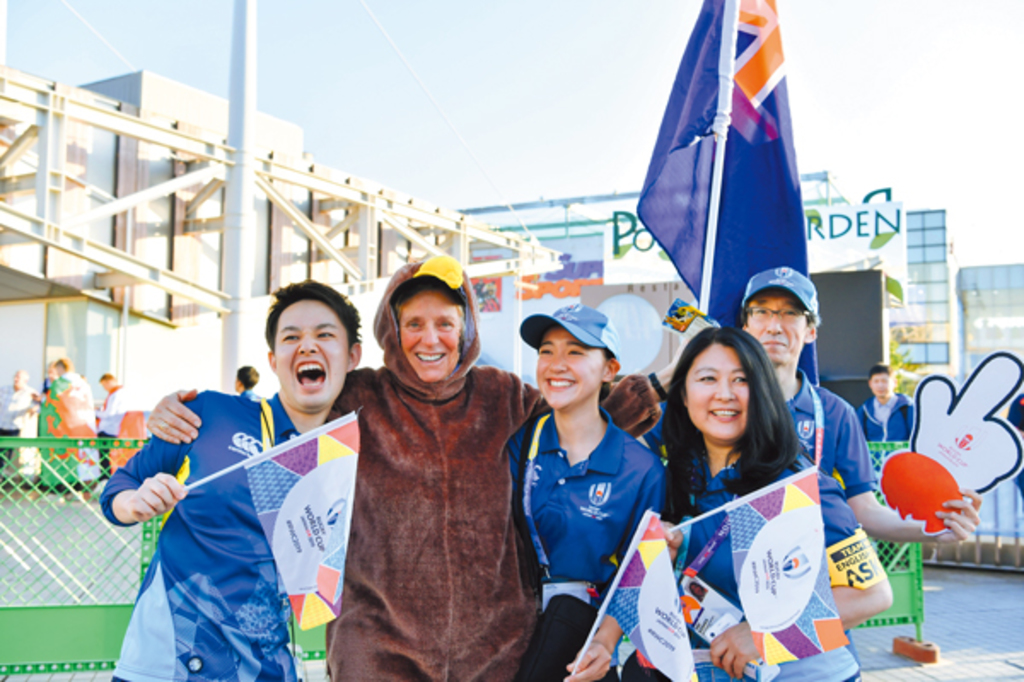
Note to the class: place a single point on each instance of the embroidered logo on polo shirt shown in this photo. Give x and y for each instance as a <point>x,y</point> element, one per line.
<point>599,493</point>
<point>806,428</point>
<point>246,445</point>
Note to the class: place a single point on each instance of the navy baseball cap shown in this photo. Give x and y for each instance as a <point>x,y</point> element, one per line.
<point>588,326</point>
<point>788,279</point>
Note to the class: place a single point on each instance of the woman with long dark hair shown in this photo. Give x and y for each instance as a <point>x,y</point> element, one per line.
<point>728,433</point>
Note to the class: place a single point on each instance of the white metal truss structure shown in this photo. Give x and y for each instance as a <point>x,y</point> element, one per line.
<point>344,224</point>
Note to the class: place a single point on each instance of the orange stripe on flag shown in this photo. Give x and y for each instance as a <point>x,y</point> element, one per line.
<point>752,19</point>
<point>756,73</point>
<point>830,633</point>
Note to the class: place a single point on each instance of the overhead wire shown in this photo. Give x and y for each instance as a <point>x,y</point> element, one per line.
<point>99,35</point>
<point>440,110</point>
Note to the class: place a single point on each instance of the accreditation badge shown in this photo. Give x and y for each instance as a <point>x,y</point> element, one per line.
<point>853,562</point>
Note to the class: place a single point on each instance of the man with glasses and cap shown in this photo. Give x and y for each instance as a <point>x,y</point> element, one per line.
<point>780,309</point>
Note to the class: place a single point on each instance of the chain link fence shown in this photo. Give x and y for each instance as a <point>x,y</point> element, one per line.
<point>902,562</point>
<point>63,568</point>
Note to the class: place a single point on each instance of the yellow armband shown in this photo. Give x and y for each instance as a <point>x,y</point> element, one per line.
<point>852,562</point>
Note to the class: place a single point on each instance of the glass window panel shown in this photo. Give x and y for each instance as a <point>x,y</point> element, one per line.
<point>984,278</point>
<point>914,221</point>
<point>916,293</point>
<point>937,312</point>
<point>917,352</point>
<point>938,272</point>
<point>915,238</point>
<point>934,254</point>
<point>917,273</point>
<point>937,293</point>
<point>934,237</point>
<point>915,254</point>
<point>968,279</point>
<point>1000,277</point>
<point>1017,276</point>
<point>935,219</point>
<point>938,353</point>
<point>939,332</point>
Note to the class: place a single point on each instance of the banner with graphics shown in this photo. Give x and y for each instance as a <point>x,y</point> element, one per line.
<point>958,441</point>
<point>778,552</point>
<point>303,492</point>
<point>859,237</point>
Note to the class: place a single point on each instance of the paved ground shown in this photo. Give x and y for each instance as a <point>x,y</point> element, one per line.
<point>975,617</point>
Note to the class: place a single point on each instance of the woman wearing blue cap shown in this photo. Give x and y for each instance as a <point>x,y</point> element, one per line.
<point>583,482</point>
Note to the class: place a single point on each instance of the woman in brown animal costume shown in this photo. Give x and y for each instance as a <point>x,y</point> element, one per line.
<point>433,589</point>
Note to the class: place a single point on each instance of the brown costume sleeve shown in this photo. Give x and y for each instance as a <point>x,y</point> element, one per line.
<point>633,405</point>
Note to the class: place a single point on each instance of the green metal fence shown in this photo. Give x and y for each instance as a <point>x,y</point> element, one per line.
<point>902,561</point>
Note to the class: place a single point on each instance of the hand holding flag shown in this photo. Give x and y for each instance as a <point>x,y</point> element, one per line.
<point>644,602</point>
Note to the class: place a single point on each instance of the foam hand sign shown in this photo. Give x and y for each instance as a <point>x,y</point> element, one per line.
<point>958,442</point>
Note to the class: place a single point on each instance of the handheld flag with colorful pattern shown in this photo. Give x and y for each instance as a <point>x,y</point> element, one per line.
<point>644,601</point>
<point>778,553</point>
<point>303,493</point>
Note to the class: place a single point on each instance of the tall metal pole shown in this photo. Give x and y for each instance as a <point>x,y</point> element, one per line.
<point>239,212</point>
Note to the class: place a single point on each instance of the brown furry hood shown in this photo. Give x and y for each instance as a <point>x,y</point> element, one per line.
<point>385,327</point>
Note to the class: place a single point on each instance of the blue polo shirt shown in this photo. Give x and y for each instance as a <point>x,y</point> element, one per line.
<point>211,605</point>
<point>844,453</point>
<point>585,514</point>
<point>840,524</point>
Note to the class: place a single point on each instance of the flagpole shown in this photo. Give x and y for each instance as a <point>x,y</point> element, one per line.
<point>720,127</point>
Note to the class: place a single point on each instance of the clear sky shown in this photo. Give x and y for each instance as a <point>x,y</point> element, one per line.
<point>565,98</point>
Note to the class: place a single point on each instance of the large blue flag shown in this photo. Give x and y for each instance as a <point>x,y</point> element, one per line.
<point>761,220</point>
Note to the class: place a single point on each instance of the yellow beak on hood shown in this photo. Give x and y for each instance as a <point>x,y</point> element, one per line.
<point>444,268</point>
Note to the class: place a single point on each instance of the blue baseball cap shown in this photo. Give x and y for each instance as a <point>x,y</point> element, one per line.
<point>788,279</point>
<point>588,326</point>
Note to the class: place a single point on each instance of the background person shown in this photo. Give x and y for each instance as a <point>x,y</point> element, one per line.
<point>18,404</point>
<point>889,416</point>
<point>433,587</point>
<point>211,605</point>
<point>727,433</point>
<point>114,407</point>
<point>588,483</point>
<point>246,380</point>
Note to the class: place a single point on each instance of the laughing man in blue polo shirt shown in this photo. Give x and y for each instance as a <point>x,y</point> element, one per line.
<point>211,605</point>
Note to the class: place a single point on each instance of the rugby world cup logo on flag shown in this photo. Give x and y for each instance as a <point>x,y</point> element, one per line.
<point>303,491</point>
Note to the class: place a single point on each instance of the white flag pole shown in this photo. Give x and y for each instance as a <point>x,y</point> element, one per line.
<point>638,535</point>
<point>720,127</point>
<point>276,450</point>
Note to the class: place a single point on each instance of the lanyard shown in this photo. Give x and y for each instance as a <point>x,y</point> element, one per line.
<point>528,482</point>
<point>266,425</point>
<point>701,560</point>
<point>819,425</point>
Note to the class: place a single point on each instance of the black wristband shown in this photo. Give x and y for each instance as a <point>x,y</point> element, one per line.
<point>658,388</point>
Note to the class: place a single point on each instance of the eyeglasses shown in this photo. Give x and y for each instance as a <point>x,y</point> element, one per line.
<point>788,316</point>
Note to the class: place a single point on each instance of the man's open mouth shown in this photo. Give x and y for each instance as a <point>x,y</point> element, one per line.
<point>311,374</point>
